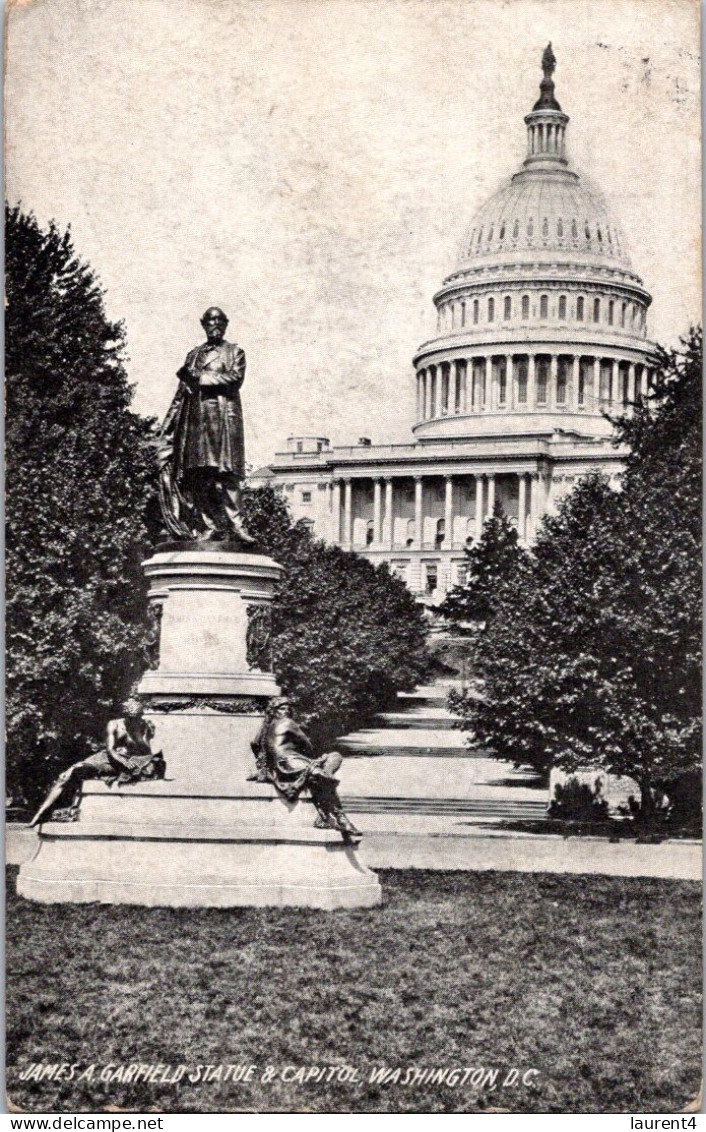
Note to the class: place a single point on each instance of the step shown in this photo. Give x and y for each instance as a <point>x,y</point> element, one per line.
<point>447,806</point>
<point>153,831</point>
<point>408,752</point>
<point>431,720</point>
<point>430,692</point>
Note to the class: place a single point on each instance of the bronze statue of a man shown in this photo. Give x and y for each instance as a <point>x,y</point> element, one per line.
<point>203,453</point>
<point>127,757</point>
<point>284,757</point>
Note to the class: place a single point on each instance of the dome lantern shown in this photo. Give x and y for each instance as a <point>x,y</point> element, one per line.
<point>546,124</point>
<point>546,100</point>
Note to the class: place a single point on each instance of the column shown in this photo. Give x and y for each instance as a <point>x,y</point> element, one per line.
<point>615,383</point>
<point>553,372</point>
<point>509,382</point>
<point>347,513</point>
<point>479,507</point>
<point>439,390</point>
<point>522,508</point>
<point>464,390</point>
<point>493,392</point>
<point>572,396</point>
<point>328,508</point>
<point>631,383</point>
<point>491,494</point>
<point>377,512</point>
<point>484,384</point>
<point>533,505</point>
<point>531,384</point>
<point>336,513</point>
<point>549,499</point>
<point>457,386</point>
<point>389,533</point>
<point>593,384</point>
<point>418,519</point>
<point>449,513</point>
<point>419,395</point>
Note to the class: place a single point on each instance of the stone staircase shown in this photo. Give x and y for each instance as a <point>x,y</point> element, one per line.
<point>413,772</point>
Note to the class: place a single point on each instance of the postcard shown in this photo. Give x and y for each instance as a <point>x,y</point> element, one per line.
<point>353,522</point>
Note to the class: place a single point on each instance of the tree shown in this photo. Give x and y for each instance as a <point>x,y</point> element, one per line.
<point>346,635</point>
<point>593,656</point>
<point>80,509</point>
<point>493,560</point>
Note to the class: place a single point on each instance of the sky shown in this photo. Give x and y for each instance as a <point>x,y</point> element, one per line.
<point>311,166</point>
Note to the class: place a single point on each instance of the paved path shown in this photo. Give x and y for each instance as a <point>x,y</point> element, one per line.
<point>425,800</point>
<point>530,853</point>
<point>417,763</point>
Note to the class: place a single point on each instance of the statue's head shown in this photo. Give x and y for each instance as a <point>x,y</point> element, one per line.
<point>133,709</point>
<point>280,707</point>
<point>214,322</point>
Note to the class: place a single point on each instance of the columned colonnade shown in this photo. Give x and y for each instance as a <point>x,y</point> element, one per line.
<point>528,382</point>
<point>340,499</point>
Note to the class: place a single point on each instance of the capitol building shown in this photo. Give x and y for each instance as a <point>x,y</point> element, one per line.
<point>541,331</point>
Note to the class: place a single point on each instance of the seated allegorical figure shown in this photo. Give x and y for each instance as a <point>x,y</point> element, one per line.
<point>285,757</point>
<point>127,757</point>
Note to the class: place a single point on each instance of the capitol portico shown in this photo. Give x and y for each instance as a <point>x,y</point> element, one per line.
<point>541,331</point>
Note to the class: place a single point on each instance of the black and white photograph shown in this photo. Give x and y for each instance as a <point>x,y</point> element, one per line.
<point>353,521</point>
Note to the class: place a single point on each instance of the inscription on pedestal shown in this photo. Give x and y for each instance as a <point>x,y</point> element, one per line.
<point>258,639</point>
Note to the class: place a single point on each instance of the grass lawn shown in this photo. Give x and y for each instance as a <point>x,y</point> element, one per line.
<point>593,981</point>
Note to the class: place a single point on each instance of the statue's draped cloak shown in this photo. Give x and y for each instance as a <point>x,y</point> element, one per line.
<point>206,421</point>
<point>288,756</point>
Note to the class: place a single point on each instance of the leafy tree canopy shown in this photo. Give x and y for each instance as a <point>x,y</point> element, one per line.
<point>593,655</point>
<point>494,560</point>
<point>346,635</point>
<point>79,501</point>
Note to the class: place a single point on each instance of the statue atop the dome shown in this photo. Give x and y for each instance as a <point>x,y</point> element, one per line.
<point>548,61</point>
<point>202,455</point>
<point>546,100</point>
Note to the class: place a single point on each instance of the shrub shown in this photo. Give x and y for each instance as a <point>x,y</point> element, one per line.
<point>347,635</point>
<point>577,801</point>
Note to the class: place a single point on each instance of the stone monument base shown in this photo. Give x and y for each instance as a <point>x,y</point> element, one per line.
<point>204,836</point>
<point>216,845</point>
<point>211,867</point>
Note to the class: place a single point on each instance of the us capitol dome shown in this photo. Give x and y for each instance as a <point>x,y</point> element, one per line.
<point>541,332</point>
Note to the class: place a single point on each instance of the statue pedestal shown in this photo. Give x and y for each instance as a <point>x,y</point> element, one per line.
<point>204,836</point>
